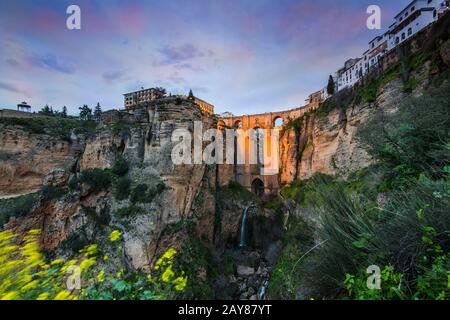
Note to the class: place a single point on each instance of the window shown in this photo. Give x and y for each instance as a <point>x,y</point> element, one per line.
<point>403,36</point>
<point>406,14</point>
<point>397,40</point>
<point>434,14</point>
<point>414,8</point>
<point>401,18</point>
<point>409,31</point>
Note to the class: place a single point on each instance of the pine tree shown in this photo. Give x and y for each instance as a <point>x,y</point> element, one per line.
<point>85,113</point>
<point>330,86</point>
<point>46,111</point>
<point>98,113</point>
<point>64,112</point>
<point>191,95</point>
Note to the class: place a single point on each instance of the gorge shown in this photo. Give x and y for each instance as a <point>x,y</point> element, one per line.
<point>234,239</point>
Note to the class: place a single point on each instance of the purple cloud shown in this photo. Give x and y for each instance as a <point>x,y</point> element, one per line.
<point>10,87</point>
<point>51,62</point>
<point>180,54</point>
<point>113,75</point>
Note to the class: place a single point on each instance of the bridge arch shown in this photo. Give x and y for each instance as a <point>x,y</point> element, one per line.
<point>258,187</point>
<point>277,121</point>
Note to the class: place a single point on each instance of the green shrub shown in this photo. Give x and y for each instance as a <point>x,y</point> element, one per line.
<point>120,168</point>
<point>51,193</point>
<point>130,211</point>
<point>413,140</point>
<point>139,194</point>
<point>17,207</point>
<point>143,193</point>
<point>289,273</point>
<point>122,188</point>
<point>73,184</point>
<point>97,179</point>
<point>54,126</point>
<point>235,189</point>
<point>411,84</point>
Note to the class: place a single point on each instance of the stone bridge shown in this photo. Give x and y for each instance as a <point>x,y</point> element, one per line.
<point>249,174</point>
<point>268,120</point>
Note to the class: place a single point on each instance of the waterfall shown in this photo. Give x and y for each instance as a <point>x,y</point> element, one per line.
<point>242,242</point>
<point>262,290</point>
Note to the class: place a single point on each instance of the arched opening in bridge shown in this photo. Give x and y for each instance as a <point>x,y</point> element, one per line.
<point>278,122</point>
<point>258,187</point>
<point>238,124</point>
<point>259,140</point>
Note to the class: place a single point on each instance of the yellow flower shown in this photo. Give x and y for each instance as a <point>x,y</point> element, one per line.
<point>43,296</point>
<point>63,295</point>
<point>34,232</point>
<point>57,261</point>
<point>29,285</point>
<point>180,283</point>
<point>168,274</point>
<point>115,235</point>
<point>166,259</point>
<point>86,263</point>
<point>90,250</point>
<point>13,295</point>
<point>101,276</point>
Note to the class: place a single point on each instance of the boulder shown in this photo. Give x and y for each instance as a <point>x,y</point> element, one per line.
<point>57,177</point>
<point>245,271</point>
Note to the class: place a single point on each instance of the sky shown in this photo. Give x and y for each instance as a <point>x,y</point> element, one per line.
<point>243,56</point>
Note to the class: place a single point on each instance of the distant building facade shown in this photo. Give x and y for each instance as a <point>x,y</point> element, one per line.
<point>132,99</point>
<point>350,74</point>
<point>206,108</point>
<point>418,15</point>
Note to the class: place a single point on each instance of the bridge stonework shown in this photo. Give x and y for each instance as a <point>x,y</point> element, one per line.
<point>247,174</point>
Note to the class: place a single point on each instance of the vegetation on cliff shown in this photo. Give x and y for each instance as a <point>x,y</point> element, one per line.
<point>392,215</point>
<point>61,128</point>
<point>26,275</point>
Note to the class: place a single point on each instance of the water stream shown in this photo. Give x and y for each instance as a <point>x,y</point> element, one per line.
<point>242,237</point>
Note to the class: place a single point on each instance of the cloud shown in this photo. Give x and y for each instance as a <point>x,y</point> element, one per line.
<point>10,87</point>
<point>12,62</point>
<point>51,62</point>
<point>179,54</point>
<point>113,75</point>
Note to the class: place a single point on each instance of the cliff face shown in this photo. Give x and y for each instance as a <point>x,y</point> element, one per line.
<point>30,159</point>
<point>326,141</point>
<point>27,158</point>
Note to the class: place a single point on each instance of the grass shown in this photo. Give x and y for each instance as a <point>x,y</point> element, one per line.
<point>287,276</point>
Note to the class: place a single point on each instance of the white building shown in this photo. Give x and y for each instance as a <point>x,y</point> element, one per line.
<point>415,17</point>
<point>350,74</point>
<point>378,47</point>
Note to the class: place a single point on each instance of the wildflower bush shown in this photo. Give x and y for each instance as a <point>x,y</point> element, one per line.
<point>26,275</point>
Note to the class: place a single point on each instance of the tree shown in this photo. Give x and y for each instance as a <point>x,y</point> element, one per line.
<point>191,95</point>
<point>85,113</point>
<point>330,86</point>
<point>64,112</point>
<point>46,111</point>
<point>98,113</point>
